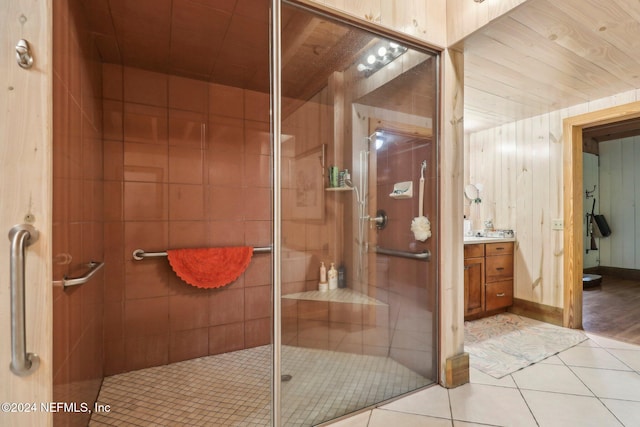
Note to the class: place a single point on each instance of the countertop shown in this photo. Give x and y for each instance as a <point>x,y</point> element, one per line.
<point>472,239</point>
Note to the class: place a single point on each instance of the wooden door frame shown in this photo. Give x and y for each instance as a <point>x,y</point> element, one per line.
<point>26,196</point>
<point>573,206</point>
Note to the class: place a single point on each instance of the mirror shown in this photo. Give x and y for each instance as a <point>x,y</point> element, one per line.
<point>472,193</point>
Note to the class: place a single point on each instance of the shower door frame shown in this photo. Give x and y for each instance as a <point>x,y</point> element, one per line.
<point>275,99</point>
<point>275,46</point>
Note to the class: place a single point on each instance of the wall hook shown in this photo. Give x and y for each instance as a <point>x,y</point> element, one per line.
<point>589,193</point>
<point>23,54</point>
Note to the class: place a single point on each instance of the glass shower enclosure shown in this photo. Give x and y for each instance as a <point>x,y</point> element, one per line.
<point>357,173</point>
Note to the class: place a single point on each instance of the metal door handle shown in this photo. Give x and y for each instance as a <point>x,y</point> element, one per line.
<point>501,294</point>
<point>22,363</point>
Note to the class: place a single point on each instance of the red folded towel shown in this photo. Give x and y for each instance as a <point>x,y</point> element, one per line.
<point>210,267</point>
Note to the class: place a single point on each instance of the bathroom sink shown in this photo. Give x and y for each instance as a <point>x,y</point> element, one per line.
<point>488,239</point>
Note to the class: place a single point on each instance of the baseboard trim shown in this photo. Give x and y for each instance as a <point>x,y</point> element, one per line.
<point>457,370</point>
<point>537,311</point>
<point>622,273</point>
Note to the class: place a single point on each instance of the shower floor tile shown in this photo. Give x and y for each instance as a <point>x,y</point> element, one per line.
<point>233,389</point>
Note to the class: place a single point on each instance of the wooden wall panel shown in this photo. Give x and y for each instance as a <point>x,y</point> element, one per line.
<point>538,196</point>
<point>25,189</point>
<point>555,288</point>
<point>524,204</point>
<point>466,16</point>
<point>422,19</point>
<point>451,180</point>
<point>541,221</point>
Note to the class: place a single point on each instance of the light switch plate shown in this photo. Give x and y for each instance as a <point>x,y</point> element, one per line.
<point>557,224</point>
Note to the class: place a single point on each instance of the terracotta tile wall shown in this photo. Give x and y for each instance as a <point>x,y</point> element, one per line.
<point>310,238</point>
<point>77,211</point>
<point>407,286</point>
<point>187,164</point>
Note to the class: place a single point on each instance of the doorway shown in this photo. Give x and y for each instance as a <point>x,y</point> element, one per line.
<point>612,284</point>
<point>573,203</point>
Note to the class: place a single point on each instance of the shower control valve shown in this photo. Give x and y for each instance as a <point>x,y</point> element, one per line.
<point>380,220</point>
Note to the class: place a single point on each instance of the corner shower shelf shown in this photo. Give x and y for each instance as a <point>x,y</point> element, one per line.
<point>338,189</point>
<point>342,295</point>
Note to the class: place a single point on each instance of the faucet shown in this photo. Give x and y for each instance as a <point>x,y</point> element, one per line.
<point>488,224</point>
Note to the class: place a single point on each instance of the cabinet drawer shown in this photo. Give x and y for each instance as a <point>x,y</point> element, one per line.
<point>473,251</point>
<point>499,248</point>
<point>499,295</point>
<point>499,267</point>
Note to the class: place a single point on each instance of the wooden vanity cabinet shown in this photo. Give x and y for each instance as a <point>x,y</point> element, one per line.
<point>488,278</point>
<point>473,279</point>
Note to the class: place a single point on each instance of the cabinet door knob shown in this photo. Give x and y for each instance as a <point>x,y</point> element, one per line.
<point>501,294</point>
<point>466,267</point>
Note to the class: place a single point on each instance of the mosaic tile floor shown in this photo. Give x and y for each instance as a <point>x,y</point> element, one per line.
<point>232,389</point>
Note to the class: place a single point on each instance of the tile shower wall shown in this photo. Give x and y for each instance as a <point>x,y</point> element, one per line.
<point>187,164</point>
<point>77,212</point>
<point>407,286</point>
<point>315,234</point>
<point>309,235</point>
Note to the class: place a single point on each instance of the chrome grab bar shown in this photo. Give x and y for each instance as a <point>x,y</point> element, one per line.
<point>22,363</point>
<point>422,256</point>
<point>93,268</point>
<point>140,254</point>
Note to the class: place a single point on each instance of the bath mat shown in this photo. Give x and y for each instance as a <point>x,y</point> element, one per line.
<point>210,267</point>
<point>504,343</point>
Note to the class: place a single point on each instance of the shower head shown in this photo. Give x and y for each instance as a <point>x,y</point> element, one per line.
<point>378,138</point>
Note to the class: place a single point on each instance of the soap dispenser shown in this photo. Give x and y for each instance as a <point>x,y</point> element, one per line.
<point>333,277</point>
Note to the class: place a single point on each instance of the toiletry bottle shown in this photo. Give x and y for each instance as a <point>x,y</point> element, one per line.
<point>323,285</point>
<point>333,277</point>
<point>467,226</point>
<point>333,176</point>
<point>342,277</point>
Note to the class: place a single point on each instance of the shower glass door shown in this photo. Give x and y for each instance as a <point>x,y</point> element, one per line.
<point>359,116</point>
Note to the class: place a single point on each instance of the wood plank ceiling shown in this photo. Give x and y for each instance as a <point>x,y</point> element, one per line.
<point>546,55</point>
<point>221,41</point>
<point>226,42</point>
<point>542,56</point>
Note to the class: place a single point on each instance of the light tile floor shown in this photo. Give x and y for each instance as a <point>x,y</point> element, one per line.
<point>596,383</point>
